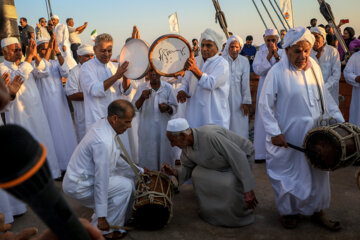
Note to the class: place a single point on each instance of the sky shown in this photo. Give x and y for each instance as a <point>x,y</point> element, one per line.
<point>117,17</point>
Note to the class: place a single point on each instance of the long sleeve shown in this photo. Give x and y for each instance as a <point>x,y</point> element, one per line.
<point>261,65</point>
<point>218,77</point>
<point>350,72</point>
<point>72,84</point>
<point>245,83</point>
<point>90,84</point>
<point>128,91</point>
<point>185,82</point>
<point>187,166</point>
<point>63,70</point>
<point>172,100</point>
<point>41,71</point>
<point>335,75</point>
<point>138,93</point>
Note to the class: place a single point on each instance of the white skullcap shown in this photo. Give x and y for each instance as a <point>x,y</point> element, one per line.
<point>8,41</point>
<point>42,40</point>
<point>319,30</point>
<point>296,35</point>
<point>231,39</point>
<point>55,17</point>
<point>177,125</point>
<point>85,49</point>
<point>271,32</point>
<point>211,35</point>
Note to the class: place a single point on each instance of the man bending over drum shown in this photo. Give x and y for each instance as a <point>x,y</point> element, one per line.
<point>98,177</point>
<point>293,99</point>
<point>219,162</point>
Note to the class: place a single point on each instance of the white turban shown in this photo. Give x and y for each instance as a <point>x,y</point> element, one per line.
<point>296,35</point>
<point>42,40</point>
<point>85,49</point>
<point>319,30</point>
<point>8,41</point>
<point>177,125</point>
<point>211,35</point>
<point>271,32</point>
<point>231,39</point>
<point>55,17</point>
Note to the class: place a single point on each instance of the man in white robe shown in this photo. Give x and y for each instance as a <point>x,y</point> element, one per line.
<point>156,103</point>
<point>97,176</point>
<point>54,100</point>
<point>205,86</point>
<point>265,59</point>
<point>329,60</point>
<point>62,36</point>
<point>291,103</point>
<point>27,109</point>
<point>74,92</point>
<point>240,95</point>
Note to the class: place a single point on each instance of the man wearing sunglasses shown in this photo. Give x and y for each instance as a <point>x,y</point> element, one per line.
<point>40,29</point>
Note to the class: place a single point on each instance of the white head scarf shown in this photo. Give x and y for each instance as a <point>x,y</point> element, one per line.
<point>8,41</point>
<point>85,49</point>
<point>42,40</point>
<point>55,17</point>
<point>231,39</point>
<point>319,30</point>
<point>177,125</point>
<point>271,32</point>
<point>296,35</point>
<point>211,35</point>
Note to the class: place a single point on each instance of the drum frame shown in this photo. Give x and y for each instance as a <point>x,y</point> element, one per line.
<point>156,42</point>
<point>330,131</point>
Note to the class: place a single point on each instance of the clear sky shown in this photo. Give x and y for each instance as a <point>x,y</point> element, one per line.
<point>151,16</point>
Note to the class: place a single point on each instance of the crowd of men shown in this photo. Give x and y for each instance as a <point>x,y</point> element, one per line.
<point>202,119</point>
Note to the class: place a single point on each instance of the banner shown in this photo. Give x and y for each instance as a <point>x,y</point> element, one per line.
<point>174,24</point>
<point>287,11</point>
<point>93,35</point>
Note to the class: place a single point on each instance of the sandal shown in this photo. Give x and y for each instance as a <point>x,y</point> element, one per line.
<point>289,221</point>
<point>115,235</point>
<point>323,219</point>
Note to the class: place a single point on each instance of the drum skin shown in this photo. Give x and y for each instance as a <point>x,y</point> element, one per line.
<point>153,201</point>
<point>333,147</point>
<point>168,55</point>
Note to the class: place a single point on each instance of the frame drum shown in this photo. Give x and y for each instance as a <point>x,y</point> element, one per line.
<point>168,55</point>
<point>135,51</point>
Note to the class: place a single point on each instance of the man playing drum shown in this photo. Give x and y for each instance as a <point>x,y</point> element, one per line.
<point>206,84</point>
<point>98,177</point>
<point>293,99</point>
<point>219,162</point>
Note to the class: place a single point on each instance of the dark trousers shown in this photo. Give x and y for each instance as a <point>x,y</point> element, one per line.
<point>74,47</point>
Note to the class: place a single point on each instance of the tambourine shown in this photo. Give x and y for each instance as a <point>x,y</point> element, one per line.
<point>168,54</point>
<point>135,51</point>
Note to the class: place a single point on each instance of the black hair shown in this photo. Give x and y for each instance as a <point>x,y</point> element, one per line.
<point>249,38</point>
<point>68,19</point>
<point>120,108</point>
<point>24,19</point>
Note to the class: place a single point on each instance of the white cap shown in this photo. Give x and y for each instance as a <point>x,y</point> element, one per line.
<point>42,40</point>
<point>55,17</point>
<point>212,35</point>
<point>8,41</point>
<point>271,32</point>
<point>296,35</point>
<point>85,49</point>
<point>319,30</point>
<point>231,39</point>
<point>177,125</point>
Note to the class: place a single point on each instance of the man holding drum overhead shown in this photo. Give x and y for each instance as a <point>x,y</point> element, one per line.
<point>206,84</point>
<point>292,101</point>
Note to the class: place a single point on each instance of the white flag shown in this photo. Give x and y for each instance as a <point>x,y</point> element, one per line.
<point>287,11</point>
<point>174,24</point>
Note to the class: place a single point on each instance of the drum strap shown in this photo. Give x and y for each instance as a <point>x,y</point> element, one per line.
<point>127,159</point>
<point>319,91</point>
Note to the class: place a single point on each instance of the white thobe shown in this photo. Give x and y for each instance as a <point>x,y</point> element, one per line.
<point>27,109</point>
<point>73,86</point>
<point>261,67</point>
<point>351,71</point>
<point>209,102</point>
<point>331,69</point>
<point>154,147</point>
<point>98,177</point>
<point>62,37</point>
<point>239,94</point>
<point>57,110</point>
<point>290,105</point>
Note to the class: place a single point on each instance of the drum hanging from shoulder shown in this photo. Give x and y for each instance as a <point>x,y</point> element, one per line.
<point>135,51</point>
<point>152,207</point>
<point>168,54</point>
<point>333,147</point>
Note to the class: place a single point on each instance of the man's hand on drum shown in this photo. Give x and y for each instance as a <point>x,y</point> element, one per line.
<point>182,96</point>
<point>167,169</point>
<point>103,224</point>
<point>190,65</point>
<point>250,200</point>
<point>121,69</point>
<point>279,141</point>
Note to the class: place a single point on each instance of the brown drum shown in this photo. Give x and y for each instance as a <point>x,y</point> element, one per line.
<point>333,147</point>
<point>153,201</point>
